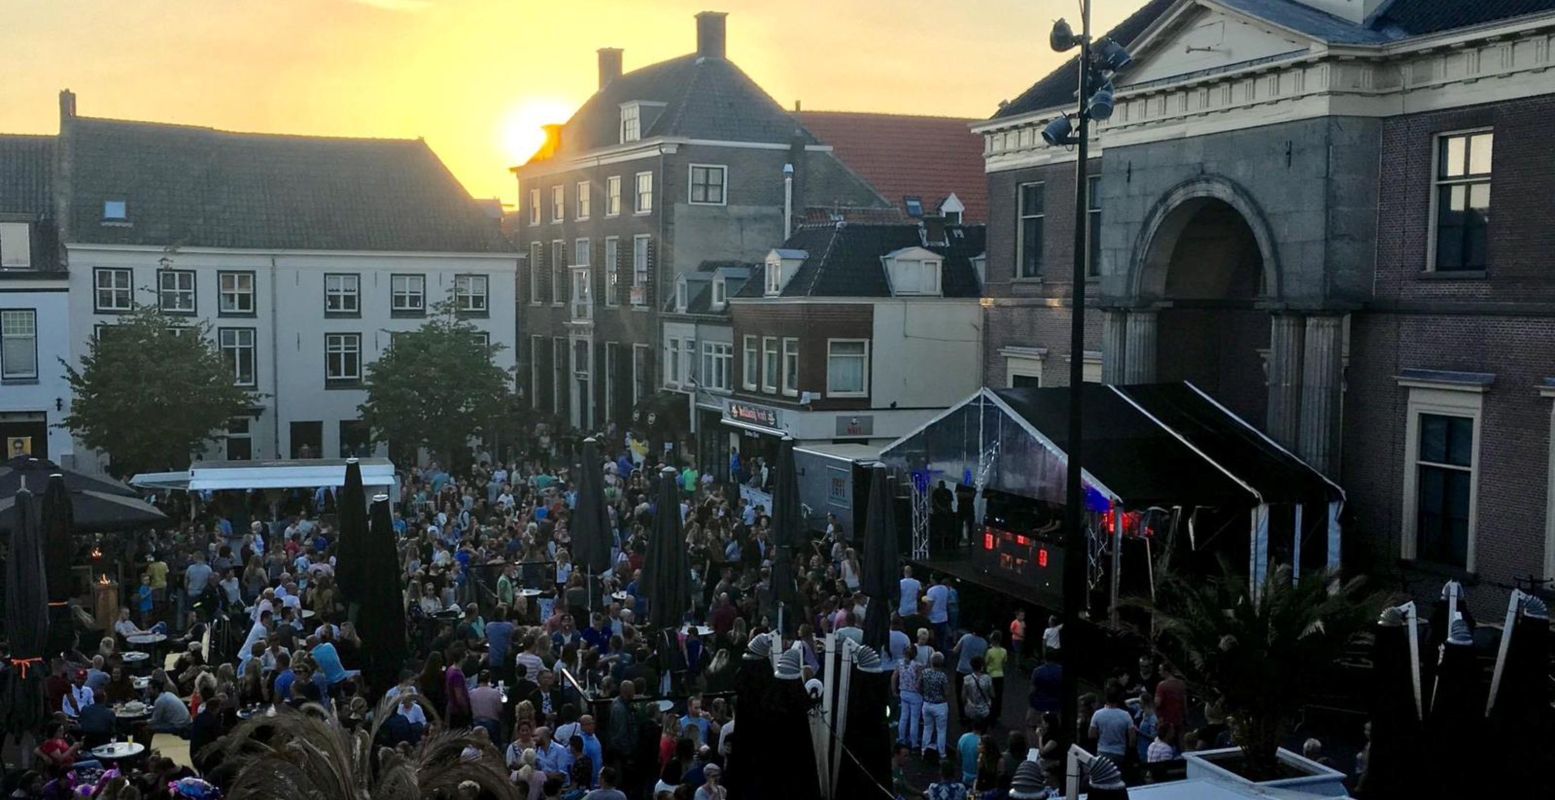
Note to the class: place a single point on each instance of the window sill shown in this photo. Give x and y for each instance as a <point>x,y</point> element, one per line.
<point>472,315</point>
<point>407,314</point>
<point>1035,280</point>
<point>236,315</point>
<point>1459,574</point>
<point>647,213</point>
<point>171,313</point>
<point>342,315</point>
<point>1453,275</point>
<point>333,384</point>
<point>32,381</point>
<point>847,395</point>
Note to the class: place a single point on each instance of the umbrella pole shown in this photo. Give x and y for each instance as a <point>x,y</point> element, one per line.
<point>1410,619</point>
<point>1512,605</point>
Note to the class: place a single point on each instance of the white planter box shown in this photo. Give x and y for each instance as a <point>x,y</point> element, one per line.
<point>1317,781</point>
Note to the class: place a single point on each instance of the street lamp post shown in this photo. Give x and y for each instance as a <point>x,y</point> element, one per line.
<point>1095,102</point>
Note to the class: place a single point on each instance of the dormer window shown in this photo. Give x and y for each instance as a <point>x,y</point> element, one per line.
<point>680,294</point>
<point>115,211</point>
<point>631,122</point>
<point>914,271</point>
<point>720,292</point>
<point>952,209</point>
<point>15,245</point>
<point>780,267</point>
<point>952,217</point>
<point>774,278</point>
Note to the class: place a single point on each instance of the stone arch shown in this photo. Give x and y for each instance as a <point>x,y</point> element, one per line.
<point>1151,259</point>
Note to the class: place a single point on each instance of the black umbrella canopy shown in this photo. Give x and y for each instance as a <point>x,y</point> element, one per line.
<point>787,517</point>
<point>591,519</point>
<point>381,620</point>
<point>58,528</point>
<point>37,471</point>
<point>880,561</point>
<point>352,520</point>
<point>1522,724</point>
<point>1454,728</point>
<point>667,571</point>
<point>26,590</point>
<point>98,512</point>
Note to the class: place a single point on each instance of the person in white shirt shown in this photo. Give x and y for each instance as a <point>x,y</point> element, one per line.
<point>910,589</point>
<point>125,627</point>
<point>939,612</point>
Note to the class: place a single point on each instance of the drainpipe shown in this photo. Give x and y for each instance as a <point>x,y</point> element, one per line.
<point>275,367</point>
<point>788,201</point>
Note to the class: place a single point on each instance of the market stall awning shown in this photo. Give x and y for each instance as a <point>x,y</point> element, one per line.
<point>282,474</point>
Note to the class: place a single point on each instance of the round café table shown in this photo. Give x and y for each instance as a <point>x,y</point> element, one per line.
<point>702,630</point>
<point>146,639</point>
<point>117,751</point>
<point>136,660</point>
<point>665,706</point>
<point>619,597</point>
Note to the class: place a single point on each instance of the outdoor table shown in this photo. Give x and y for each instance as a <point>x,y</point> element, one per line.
<point>664,706</point>
<point>246,713</point>
<point>308,613</point>
<point>135,660</point>
<point>619,597</point>
<point>117,751</point>
<point>146,639</point>
<point>702,630</point>
<point>450,613</point>
<point>530,592</point>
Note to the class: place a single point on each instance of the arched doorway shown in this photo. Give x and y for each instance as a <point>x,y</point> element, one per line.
<point>1205,268</point>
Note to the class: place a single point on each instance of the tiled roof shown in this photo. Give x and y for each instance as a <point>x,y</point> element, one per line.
<point>192,186</point>
<point>26,174</point>
<point>844,260</point>
<point>1399,19</point>
<point>908,156</point>
<point>703,98</point>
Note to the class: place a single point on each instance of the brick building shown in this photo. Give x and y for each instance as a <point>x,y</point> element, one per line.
<point>1291,208</point>
<point>663,169</point>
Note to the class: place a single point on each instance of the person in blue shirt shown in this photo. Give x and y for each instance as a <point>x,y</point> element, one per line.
<point>328,659</point>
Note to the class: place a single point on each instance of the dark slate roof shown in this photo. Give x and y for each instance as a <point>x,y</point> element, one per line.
<point>26,174</point>
<point>1399,19</point>
<point>699,285</point>
<point>200,187</point>
<point>844,260</point>
<point>908,156</point>
<point>704,98</point>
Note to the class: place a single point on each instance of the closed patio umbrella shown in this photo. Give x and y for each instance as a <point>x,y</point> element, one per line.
<point>37,471</point>
<point>97,512</point>
<point>787,535</point>
<point>1521,722</point>
<point>26,618</point>
<point>58,520</point>
<point>1393,767</point>
<point>880,560</point>
<point>381,620</point>
<point>667,570</point>
<point>591,539</point>
<point>352,521</point>
<point>1455,725</point>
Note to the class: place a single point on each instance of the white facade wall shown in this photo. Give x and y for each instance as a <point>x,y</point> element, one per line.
<point>290,322</point>
<point>27,403</point>
<point>926,353</point>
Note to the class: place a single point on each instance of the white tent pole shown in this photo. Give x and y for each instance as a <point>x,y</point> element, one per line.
<point>845,685</point>
<point>1076,761</point>
<point>1411,617</point>
<point>823,753</point>
<point>1295,567</point>
<point>1116,566</point>
<point>1512,604</point>
<point>1335,534</point>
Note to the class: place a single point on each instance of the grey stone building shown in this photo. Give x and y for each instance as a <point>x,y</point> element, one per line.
<point>664,168</point>
<point>1291,208</point>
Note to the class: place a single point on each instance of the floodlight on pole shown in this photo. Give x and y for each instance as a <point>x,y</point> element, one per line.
<point>1112,56</point>
<point>1100,105</point>
<point>1062,38</point>
<point>1058,132</point>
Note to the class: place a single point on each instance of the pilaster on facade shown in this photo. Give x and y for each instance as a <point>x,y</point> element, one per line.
<point>1113,343</point>
<point>1139,350</point>
<point>1287,343</point>
<point>1322,384</point>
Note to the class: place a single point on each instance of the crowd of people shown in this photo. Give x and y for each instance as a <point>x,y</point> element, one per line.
<point>555,668</point>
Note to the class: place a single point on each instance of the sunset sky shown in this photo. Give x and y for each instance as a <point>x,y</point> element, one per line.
<point>476,78</point>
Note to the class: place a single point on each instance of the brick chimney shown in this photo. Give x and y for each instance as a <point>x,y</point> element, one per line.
<point>609,65</point>
<point>711,35</point>
<point>67,105</point>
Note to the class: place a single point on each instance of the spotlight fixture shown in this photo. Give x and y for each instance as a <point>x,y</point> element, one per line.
<point>1100,105</point>
<point>1057,132</point>
<point>1112,56</point>
<point>1062,38</point>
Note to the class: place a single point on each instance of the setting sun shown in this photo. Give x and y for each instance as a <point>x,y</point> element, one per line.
<point>521,132</point>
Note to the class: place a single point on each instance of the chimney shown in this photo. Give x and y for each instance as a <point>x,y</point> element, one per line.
<point>609,65</point>
<point>553,142</point>
<point>710,34</point>
<point>67,105</point>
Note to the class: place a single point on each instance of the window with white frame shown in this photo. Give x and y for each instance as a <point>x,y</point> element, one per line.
<point>847,367</point>
<point>1462,201</point>
<point>15,245</point>
<point>717,364</point>
<point>642,374</point>
<point>915,276</point>
<point>644,192</point>
<point>584,196</point>
<point>342,357</point>
<point>752,364</point>
<point>237,350</point>
<point>342,294</point>
<point>707,184</point>
<point>175,291</point>
<point>408,294</point>
<point>536,351</point>
<point>19,344</point>
<point>671,362</point>
<point>770,367</point>
<point>791,367</point>
<point>235,294</point>
<point>113,292</point>
<point>612,266</point>
<point>582,253</point>
<point>613,196</point>
<point>681,292</point>
<point>1028,234</point>
<point>534,206</point>
<point>558,203</point>
<point>631,122</point>
<point>470,294</point>
<point>536,269</point>
<point>720,292</point>
<point>640,266</point>
<point>582,298</point>
<point>774,274</point>
<point>1441,473</point>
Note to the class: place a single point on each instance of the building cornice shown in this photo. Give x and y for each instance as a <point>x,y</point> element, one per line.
<point>266,253</point>
<point>645,148</point>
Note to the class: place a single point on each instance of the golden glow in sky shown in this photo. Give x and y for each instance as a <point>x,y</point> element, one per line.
<point>477,78</point>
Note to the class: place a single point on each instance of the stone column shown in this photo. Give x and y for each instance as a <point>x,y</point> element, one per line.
<point>1114,339</point>
<point>1287,334</point>
<point>1322,377</point>
<point>1139,347</point>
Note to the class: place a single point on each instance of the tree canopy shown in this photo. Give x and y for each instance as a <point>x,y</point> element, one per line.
<point>151,390</point>
<point>437,387</point>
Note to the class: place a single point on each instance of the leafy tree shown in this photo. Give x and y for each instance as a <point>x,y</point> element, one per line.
<point>1263,659</point>
<point>152,389</point>
<point>437,387</point>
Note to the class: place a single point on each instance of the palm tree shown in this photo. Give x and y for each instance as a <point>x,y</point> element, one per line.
<point>308,754</point>
<point>1264,657</point>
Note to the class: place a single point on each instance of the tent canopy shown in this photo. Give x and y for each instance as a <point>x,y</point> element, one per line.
<point>283,474</point>
<point>1157,444</point>
<point>99,504</point>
